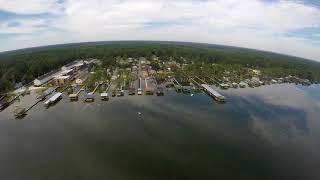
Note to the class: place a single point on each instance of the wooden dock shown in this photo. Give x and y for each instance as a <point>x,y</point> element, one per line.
<point>90,95</point>
<point>210,91</point>
<point>177,85</point>
<point>95,89</point>
<point>193,81</point>
<point>148,89</point>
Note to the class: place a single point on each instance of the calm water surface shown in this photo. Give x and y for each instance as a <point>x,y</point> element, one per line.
<point>270,132</point>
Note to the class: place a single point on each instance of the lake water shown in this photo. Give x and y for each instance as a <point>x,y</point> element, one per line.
<point>269,132</point>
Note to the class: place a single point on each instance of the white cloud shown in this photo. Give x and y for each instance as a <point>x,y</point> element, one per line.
<point>30,6</point>
<point>276,17</point>
<point>23,26</point>
<point>247,23</point>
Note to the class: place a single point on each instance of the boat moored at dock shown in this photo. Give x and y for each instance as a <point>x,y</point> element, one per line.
<point>159,91</point>
<point>132,91</point>
<point>139,92</point>
<point>89,97</point>
<point>104,96</point>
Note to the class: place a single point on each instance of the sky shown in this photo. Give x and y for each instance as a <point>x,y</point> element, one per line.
<point>282,26</point>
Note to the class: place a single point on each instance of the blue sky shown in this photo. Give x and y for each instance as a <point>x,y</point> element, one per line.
<point>289,27</point>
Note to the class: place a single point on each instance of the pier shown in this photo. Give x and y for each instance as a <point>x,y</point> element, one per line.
<point>74,97</point>
<point>214,80</point>
<point>196,83</point>
<point>177,85</point>
<point>90,95</point>
<point>132,89</point>
<point>148,89</point>
<point>8,103</point>
<point>22,111</point>
<point>53,99</point>
<point>139,91</point>
<point>105,96</point>
<point>210,91</point>
<point>95,89</point>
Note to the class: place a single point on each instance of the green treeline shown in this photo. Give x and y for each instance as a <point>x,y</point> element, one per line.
<point>26,66</point>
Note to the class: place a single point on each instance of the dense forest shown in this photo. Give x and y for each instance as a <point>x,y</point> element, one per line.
<point>25,65</point>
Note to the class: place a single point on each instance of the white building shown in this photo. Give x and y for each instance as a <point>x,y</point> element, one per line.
<point>75,66</point>
<point>44,78</point>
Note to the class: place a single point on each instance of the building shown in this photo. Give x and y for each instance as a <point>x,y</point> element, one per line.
<point>75,66</point>
<point>61,80</point>
<point>67,72</point>
<point>151,72</point>
<point>18,85</point>
<point>114,77</point>
<point>68,66</point>
<point>256,72</point>
<point>79,81</point>
<point>145,74</point>
<point>45,78</point>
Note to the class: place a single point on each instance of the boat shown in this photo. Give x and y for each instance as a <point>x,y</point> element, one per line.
<point>118,92</point>
<point>19,112</point>
<point>139,92</point>
<point>89,97</point>
<point>132,91</point>
<point>114,92</point>
<point>224,86</point>
<point>234,85</point>
<point>186,90</point>
<point>159,91</point>
<point>73,97</point>
<point>104,96</point>
<point>70,90</point>
<point>242,84</point>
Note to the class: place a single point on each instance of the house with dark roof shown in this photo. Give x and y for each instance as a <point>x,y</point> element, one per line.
<point>45,78</point>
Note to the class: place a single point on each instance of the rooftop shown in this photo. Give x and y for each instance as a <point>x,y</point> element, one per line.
<point>62,77</point>
<point>49,74</point>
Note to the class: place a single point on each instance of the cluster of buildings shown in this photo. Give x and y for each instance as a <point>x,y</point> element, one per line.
<point>64,74</point>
